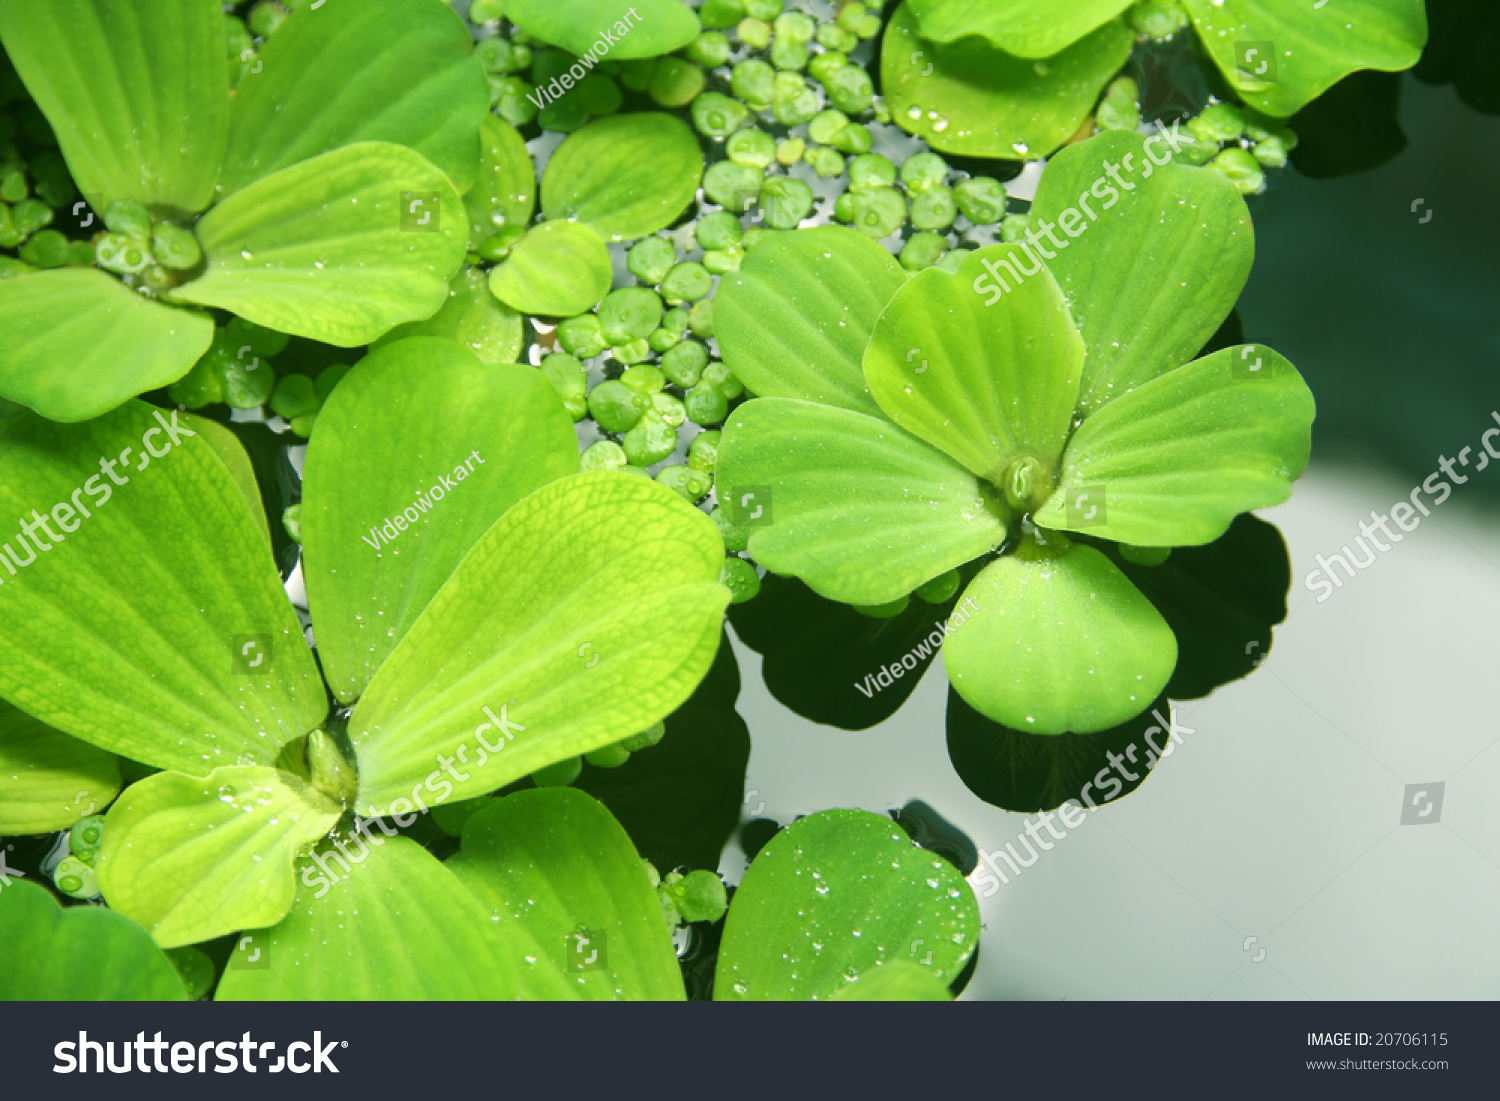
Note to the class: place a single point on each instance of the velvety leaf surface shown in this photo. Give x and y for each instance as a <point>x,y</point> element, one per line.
<point>1310,50</point>
<point>472,318</point>
<point>391,924</point>
<point>1180,456</point>
<point>551,863</point>
<point>174,687</point>
<point>335,248</point>
<point>856,507</point>
<point>504,195</point>
<point>986,379</point>
<point>632,28</point>
<point>896,981</point>
<point>75,342</point>
<point>1025,28</point>
<point>399,71</point>
<point>832,899</point>
<point>624,176</point>
<point>130,125</point>
<point>412,425</point>
<point>1059,643</point>
<point>590,611</point>
<point>192,859</point>
<point>81,954</point>
<point>559,269</point>
<point>793,322</point>
<point>48,780</point>
<point>974,100</point>
<point>1153,278</point>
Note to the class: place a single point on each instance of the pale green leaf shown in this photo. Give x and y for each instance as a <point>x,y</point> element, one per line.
<point>399,71</point>
<point>192,859</point>
<point>229,451</point>
<point>624,176</point>
<point>48,780</point>
<point>504,195</point>
<point>1025,28</point>
<point>896,981</point>
<point>389,923</point>
<point>340,248</point>
<point>1180,457</point>
<point>858,508</point>
<point>559,269</point>
<point>1151,267</point>
<point>472,318</point>
<point>590,611</point>
<point>793,322</point>
<point>833,899</point>
<point>553,865</point>
<point>616,30</point>
<point>420,428</point>
<point>79,647</point>
<point>75,342</point>
<point>138,94</point>
<point>1059,640</point>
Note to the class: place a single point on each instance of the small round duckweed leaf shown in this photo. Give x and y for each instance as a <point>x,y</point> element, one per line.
<point>1023,28</point>
<point>473,318</point>
<point>504,195</point>
<point>559,269</point>
<point>615,29</point>
<point>48,780</point>
<point>831,901</point>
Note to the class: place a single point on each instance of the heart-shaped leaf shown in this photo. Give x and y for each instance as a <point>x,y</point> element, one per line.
<point>1060,640</point>
<point>214,669</point>
<point>559,269</point>
<point>340,248</point>
<point>192,859</point>
<point>1179,457</point>
<point>793,322</point>
<point>856,507</point>
<point>399,71</point>
<point>136,93</point>
<point>1024,28</point>
<point>472,318</point>
<point>81,954</point>
<point>972,99</point>
<point>989,379</point>
<point>390,923</point>
<point>1156,277</point>
<point>590,611</point>
<point>566,884</point>
<point>608,28</point>
<point>504,195</point>
<point>76,342</point>
<point>624,176</point>
<point>832,899</point>
<point>48,780</point>
<point>413,425</point>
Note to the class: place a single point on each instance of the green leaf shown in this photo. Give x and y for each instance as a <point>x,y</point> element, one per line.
<point>1024,28</point>
<point>1178,458</point>
<point>559,269</point>
<point>856,507</point>
<point>504,195</point>
<point>399,71</point>
<point>1153,280</point>
<point>896,981</point>
<point>192,859</point>
<point>110,640</point>
<point>793,322</point>
<point>552,863</point>
<point>1309,51</point>
<point>76,342</point>
<point>472,318</point>
<point>48,780</point>
<point>390,923</point>
<point>972,99</point>
<point>624,176</point>
<point>229,451</point>
<point>78,954</point>
<point>989,379</point>
<point>335,248</point>
<point>412,425</point>
<point>589,612</point>
<point>1061,640</point>
<point>834,898</point>
<point>136,93</point>
<point>612,29</point>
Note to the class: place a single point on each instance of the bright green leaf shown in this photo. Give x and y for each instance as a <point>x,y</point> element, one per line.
<point>831,900</point>
<point>229,451</point>
<point>420,428</point>
<point>559,269</point>
<point>896,981</point>
<point>793,322</point>
<point>613,29</point>
<point>76,342</point>
<point>138,94</point>
<point>48,780</point>
<point>340,248</point>
<point>1178,458</point>
<point>1024,28</point>
<point>504,195</point>
<point>858,508</point>
<point>472,318</point>
<point>192,859</point>
<point>624,176</point>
